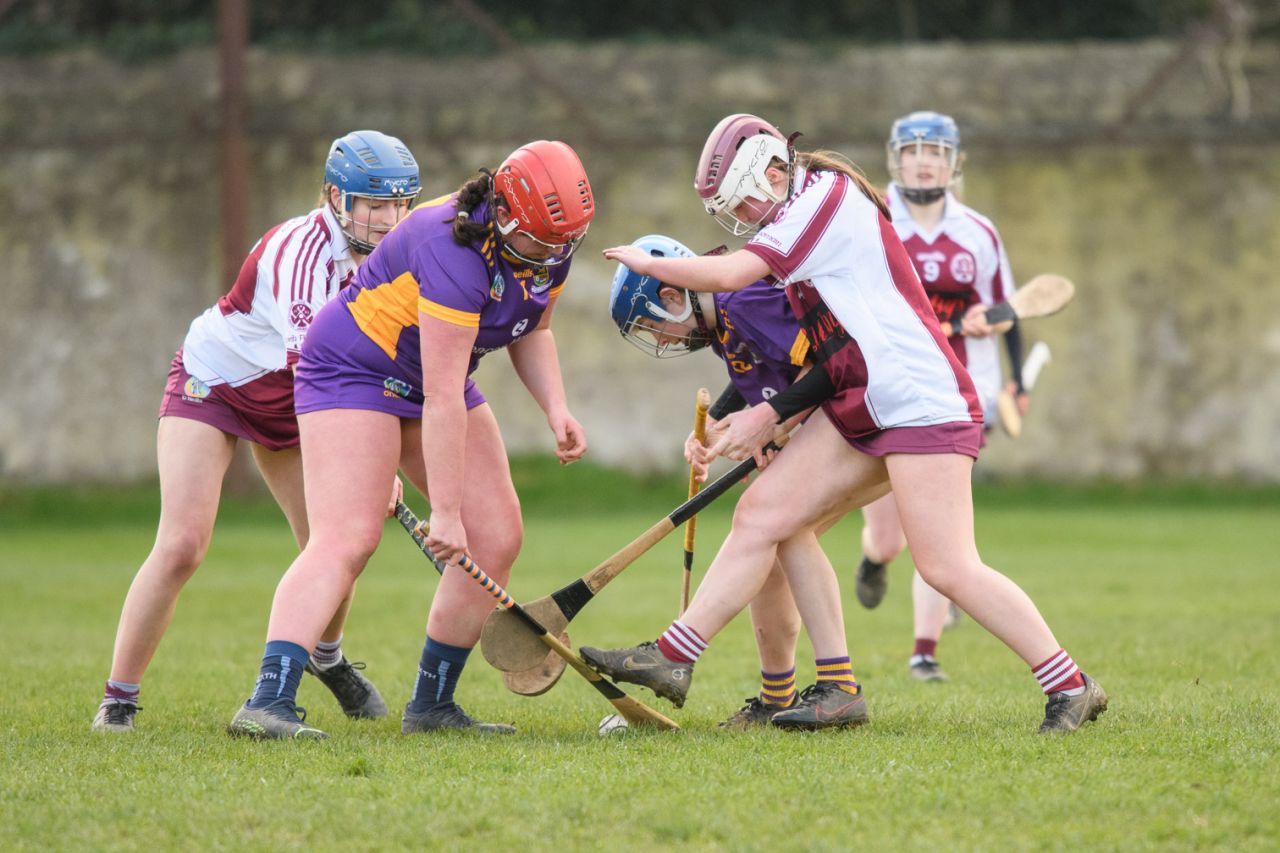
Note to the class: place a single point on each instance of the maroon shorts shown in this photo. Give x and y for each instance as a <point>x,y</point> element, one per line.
<point>260,411</point>
<point>961,437</point>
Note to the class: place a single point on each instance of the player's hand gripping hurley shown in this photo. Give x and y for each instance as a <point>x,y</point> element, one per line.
<point>690,527</point>
<point>1044,295</point>
<point>633,711</point>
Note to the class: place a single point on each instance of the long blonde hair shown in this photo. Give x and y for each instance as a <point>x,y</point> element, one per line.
<point>833,161</point>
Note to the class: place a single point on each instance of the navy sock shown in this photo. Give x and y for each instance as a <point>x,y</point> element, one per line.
<point>282,665</point>
<point>437,675</point>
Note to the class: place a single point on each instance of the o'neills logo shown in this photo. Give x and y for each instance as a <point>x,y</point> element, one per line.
<point>194,390</point>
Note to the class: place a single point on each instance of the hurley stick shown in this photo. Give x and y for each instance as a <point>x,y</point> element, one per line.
<point>634,712</point>
<point>691,526</point>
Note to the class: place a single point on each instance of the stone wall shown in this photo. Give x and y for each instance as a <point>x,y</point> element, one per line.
<point>1165,365</point>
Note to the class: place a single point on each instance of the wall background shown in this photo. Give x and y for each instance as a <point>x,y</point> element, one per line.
<point>1169,223</point>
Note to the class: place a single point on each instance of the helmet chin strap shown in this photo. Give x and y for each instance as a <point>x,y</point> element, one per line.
<point>922,196</point>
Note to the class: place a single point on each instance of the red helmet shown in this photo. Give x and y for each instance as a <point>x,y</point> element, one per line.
<point>732,167</point>
<point>545,190</point>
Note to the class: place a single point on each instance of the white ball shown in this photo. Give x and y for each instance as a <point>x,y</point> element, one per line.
<point>612,724</point>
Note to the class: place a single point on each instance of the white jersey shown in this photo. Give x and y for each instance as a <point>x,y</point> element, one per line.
<point>258,327</point>
<point>830,238</point>
<point>961,262</point>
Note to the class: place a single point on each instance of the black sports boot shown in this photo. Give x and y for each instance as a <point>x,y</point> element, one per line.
<point>872,583</point>
<point>448,715</point>
<point>825,705</point>
<point>356,694</point>
<point>756,712</point>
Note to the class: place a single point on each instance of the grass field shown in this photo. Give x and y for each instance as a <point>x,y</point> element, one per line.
<point>1169,598</point>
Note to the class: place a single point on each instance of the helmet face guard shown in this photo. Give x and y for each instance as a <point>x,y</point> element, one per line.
<point>370,165</point>
<point>915,131</point>
<point>544,189</point>
<point>635,304</point>
<point>731,172</point>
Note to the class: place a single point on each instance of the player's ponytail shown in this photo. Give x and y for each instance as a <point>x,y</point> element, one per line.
<point>470,196</point>
<point>831,161</point>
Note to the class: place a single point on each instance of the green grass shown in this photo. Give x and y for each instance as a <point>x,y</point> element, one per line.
<point>1168,597</point>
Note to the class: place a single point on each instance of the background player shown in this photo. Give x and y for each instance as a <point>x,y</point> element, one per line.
<point>232,380</point>
<point>962,264</point>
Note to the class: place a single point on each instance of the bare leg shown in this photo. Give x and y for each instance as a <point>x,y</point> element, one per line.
<point>882,536</point>
<point>776,623</point>
<point>347,483</point>
<point>935,502</point>
<point>193,457</point>
<point>282,471</point>
<point>818,476</point>
<point>929,608</point>
<point>491,516</point>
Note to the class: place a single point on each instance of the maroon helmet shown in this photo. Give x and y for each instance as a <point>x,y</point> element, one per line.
<point>732,168</point>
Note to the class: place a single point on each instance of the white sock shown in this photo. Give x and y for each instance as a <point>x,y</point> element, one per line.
<point>327,654</point>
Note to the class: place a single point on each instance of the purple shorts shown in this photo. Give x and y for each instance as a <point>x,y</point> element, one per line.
<point>960,437</point>
<point>260,411</point>
<point>341,368</point>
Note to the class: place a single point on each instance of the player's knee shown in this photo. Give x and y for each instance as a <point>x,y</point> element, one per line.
<point>946,575</point>
<point>182,552</point>
<point>756,516</point>
<point>882,545</point>
<point>349,552</point>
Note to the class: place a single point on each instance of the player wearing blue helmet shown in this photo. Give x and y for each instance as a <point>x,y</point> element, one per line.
<point>961,262</point>
<point>371,181</point>
<point>232,381</point>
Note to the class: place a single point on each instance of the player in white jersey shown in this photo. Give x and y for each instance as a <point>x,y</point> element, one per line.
<point>897,410</point>
<point>962,265</point>
<point>232,380</point>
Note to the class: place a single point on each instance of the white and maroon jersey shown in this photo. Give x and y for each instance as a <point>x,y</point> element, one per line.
<point>859,299</point>
<point>961,262</point>
<point>258,327</point>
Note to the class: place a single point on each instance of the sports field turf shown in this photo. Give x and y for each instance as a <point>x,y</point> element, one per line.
<point>1170,599</point>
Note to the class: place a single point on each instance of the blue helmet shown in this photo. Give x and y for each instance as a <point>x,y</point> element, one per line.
<point>635,297</point>
<point>370,164</point>
<point>918,129</point>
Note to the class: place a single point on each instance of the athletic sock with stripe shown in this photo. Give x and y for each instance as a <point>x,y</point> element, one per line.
<point>327,654</point>
<point>681,644</point>
<point>282,665</point>
<point>438,673</point>
<point>120,691</point>
<point>838,670</point>
<point>778,688</point>
<point>1059,674</point>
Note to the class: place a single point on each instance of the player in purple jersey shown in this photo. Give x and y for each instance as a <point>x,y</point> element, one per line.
<point>384,383</point>
<point>232,381</point>
<point>963,268</point>
<point>757,336</point>
<point>896,409</point>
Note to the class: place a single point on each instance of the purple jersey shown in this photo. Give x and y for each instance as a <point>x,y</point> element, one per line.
<point>419,267</point>
<point>759,339</point>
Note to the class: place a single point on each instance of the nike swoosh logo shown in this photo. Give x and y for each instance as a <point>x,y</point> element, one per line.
<point>634,665</point>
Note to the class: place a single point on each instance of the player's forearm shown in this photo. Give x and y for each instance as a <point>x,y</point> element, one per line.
<point>710,273</point>
<point>1013,343</point>
<point>537,363</point>
<point>444,441</point>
